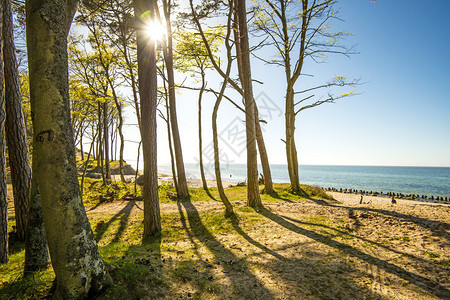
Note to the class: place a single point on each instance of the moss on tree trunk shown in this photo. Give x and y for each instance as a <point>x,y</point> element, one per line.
<point>79,269</point>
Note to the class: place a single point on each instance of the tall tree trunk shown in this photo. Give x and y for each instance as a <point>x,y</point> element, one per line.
<point>81,146</point>
<point>36,252</point>
<point>86,166</point>
<point>291,150</point>
<point>113,141</point>
<point>148,90</point>
<point>119,113</point>
<point>200,142</point>
<point>3,187</point>
<point>137,168</point>
<point>119,128</point>
<point>133,81</point>
<point>16,136</point>
<point>268,185</point>
<point>172,157</point>
<point>100,157</point>
<point>223,197</point>
<point>169,137</point>
<point>183,191</point>
<point>228,207</point>
<point>253,197</point>
<point>79,269</point>
<point>106,141</point>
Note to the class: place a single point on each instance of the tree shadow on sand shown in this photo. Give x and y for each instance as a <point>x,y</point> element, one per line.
<point>303,276</point>
<point>235,269</point>
<point>420,281</point>
<point>341,232</point>
<point>438,228</point>
<point>123,214</point>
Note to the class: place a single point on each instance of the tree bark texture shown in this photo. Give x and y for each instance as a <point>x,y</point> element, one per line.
<point>36,252</point>
<point>183,191</point>
<point>146,50</point>
<point>253,197</point>
<point>3,190</point>
<point>79,269</point>
<point>16,136</point>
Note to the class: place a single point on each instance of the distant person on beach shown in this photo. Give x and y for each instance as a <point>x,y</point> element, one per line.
<point>361,201</point>
<point>393,201</point>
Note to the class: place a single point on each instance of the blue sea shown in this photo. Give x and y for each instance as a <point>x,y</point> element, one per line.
<point>430,181</point>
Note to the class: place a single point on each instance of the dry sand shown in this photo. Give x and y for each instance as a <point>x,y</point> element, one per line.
<point>354,199</point>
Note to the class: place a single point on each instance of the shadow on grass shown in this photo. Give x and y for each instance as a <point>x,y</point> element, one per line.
<point>27,287</point>
<point>236,269</point>
<point>124,215</point>
<point>139,273</point>
<point>208,192</point>
<point>276,195</point>
<point>94,207</point>
<point>420,281</point>
<point>15,247</point>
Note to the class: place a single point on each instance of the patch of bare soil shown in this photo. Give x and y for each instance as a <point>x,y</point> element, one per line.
<point>310,249</point>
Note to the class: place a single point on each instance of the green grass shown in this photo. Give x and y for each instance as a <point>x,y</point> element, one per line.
<point>92,165</point>
<point>402,238</point>
<point>367,245</point>
<point>155,267</point>
<point>384,232</point>
<point>346,228</point>
<point>12,283</point>
<point>432,255</point>
<point>94,192</point>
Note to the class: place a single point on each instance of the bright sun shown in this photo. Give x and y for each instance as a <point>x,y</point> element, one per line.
<point>156,31</point>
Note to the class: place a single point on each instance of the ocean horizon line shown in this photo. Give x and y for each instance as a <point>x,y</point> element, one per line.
<point>324,165</point>
<point>431,181</point>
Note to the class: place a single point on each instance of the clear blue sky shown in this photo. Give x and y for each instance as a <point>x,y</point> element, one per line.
<point>401,118</point>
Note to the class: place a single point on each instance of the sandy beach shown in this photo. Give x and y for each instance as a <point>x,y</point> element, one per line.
<point>354,199</point>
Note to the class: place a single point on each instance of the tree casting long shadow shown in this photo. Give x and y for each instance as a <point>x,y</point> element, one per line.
<point>224,256</point>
